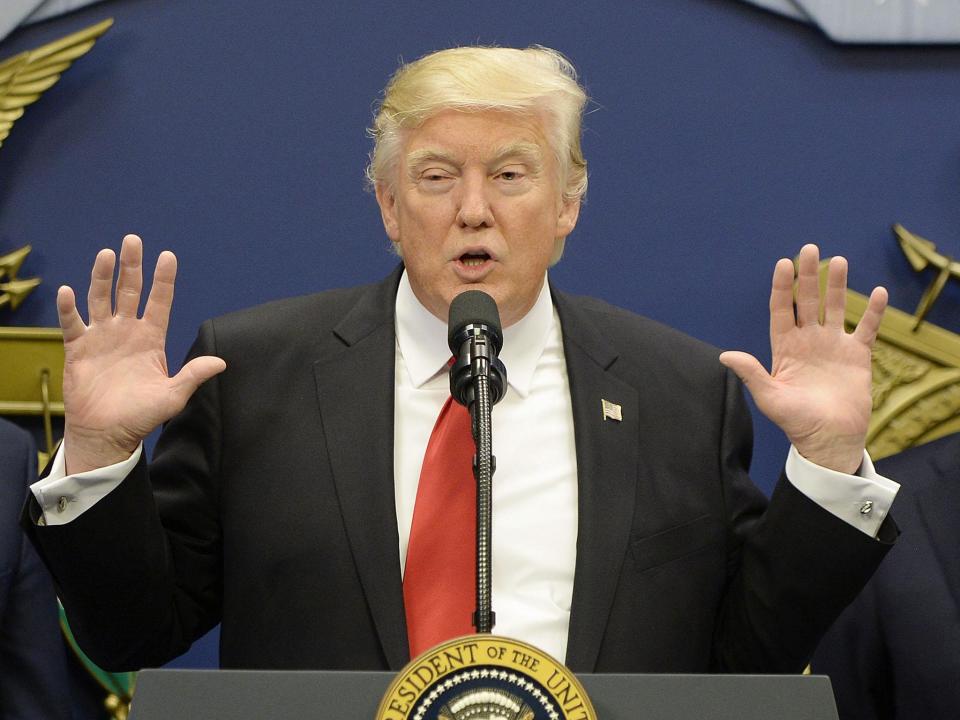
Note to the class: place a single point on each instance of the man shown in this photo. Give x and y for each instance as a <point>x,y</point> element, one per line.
<point>33,671</point>
<point>895,652</point>
<point>282,494</point>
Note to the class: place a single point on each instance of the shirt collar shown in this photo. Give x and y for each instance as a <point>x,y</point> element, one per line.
<point>422,339</point>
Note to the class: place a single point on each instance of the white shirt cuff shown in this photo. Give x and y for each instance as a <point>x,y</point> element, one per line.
<point>63,497</point>
<point>861,500</point>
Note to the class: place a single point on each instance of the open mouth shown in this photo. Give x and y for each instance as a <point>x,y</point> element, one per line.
<point>474,259</point>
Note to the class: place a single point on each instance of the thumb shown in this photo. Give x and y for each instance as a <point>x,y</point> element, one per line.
<point>195,373</point>
<point>747,368</point>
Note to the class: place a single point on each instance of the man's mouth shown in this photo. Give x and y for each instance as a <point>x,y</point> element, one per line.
<point>474,259</point>
<point>475,264</point>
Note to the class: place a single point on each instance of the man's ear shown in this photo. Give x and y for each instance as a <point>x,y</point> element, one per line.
<point>567,220</point>
<point>387,200</point>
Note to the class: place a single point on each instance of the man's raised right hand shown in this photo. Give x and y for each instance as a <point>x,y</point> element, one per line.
<point>116,387</point>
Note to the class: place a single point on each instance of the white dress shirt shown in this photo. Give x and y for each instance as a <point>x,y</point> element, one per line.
<point>534,533</point>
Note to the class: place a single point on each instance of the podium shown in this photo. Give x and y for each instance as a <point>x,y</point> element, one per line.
<point>272,694</point>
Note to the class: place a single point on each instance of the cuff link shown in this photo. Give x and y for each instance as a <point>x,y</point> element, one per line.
<point>866,508</point>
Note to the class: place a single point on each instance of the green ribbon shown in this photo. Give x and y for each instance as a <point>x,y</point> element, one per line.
<point>119,684</point>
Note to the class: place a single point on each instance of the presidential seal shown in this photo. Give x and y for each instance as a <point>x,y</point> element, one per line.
<point>485,677</point>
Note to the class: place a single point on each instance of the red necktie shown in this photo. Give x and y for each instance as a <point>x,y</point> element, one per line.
<point>439,581</point>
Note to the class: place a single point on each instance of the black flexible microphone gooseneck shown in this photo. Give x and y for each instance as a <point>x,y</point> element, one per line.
<point>478,380</point>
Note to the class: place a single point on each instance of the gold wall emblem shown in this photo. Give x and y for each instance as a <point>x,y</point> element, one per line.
<point>14,290</point>
<point>27,75</point>
<point>916,364</point>
<point>31,358</point>
<point>921,254</point>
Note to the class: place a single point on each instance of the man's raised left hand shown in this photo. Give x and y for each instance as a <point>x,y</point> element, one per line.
<point>818,388</point>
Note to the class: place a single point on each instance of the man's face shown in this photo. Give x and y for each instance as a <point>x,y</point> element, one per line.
<point>476,205</point>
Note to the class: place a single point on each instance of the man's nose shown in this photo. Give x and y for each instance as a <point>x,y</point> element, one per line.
<point>475,210</point>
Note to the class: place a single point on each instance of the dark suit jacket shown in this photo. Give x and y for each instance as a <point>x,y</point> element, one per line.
<point>270,506</point>
<point>33,672</point>
<point>895,652</point>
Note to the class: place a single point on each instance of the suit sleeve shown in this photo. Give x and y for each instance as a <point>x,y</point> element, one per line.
<point>853,654</point>
<point>145,561</point>
<point>792,569</point>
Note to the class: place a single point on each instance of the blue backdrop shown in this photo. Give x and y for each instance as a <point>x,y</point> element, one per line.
<point>720,138</point>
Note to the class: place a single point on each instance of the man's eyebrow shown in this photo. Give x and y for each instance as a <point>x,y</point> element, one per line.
<point>419,157</point>
<point>528,152</point>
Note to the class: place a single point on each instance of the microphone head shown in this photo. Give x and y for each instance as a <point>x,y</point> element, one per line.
<point>473,307</point>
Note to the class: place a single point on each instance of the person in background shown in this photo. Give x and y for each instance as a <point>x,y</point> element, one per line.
<point>894,653</point>
<point>34,681</point>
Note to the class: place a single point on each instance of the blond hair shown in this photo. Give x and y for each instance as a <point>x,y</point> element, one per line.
<point>473,79</point>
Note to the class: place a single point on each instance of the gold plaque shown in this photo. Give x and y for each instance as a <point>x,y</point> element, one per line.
<point>485,677</point>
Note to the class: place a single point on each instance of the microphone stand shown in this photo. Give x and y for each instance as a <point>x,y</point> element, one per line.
<point>484,465</point>
<point>478,380</point>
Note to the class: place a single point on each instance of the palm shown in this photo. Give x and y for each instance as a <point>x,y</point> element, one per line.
<point>820,382</point>
<point>818,388</point>
<point>115,376</point>
<point>116,386</point>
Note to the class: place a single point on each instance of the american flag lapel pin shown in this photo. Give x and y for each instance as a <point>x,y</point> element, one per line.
<point>611,411</point>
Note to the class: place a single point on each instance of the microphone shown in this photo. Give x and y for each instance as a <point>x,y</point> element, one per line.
<point>475,339</point>
<point>478,380</point>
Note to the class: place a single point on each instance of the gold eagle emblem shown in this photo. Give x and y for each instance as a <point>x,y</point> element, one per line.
<point>27,75</point>
<point>14,290</point>
<point>921,254</point>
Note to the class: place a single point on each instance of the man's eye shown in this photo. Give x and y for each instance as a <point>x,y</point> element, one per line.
<point>434,176</point>
<point>510,175</point>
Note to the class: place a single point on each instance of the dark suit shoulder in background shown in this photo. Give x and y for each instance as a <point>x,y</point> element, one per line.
<point>895,652</point>
<point>33,673</point>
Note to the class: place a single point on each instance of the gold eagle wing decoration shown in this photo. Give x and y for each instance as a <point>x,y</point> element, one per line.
<point>27,75</point>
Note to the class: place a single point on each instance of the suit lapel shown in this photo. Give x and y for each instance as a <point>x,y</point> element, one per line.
<point>355,380</point>
<point>607,476</point>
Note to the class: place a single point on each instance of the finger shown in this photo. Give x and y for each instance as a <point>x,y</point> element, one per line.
<point>781,299</point>
<point>130,279</point>
<point>836,298</point>
<point>869,324</point>
<point>747,368</point>
<point>101,283</point>
<point>70,321</point>
<point>157,311</point>
<point>194,374</point>
<point>808,288</point>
